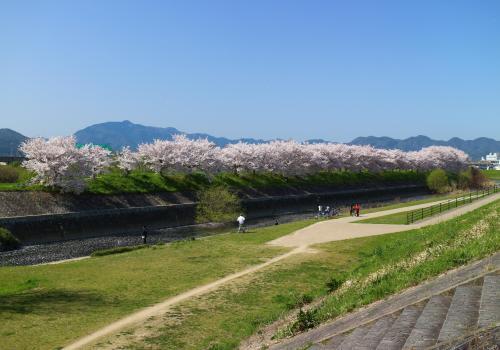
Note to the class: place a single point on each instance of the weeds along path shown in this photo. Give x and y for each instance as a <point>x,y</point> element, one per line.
<point>325,231</point>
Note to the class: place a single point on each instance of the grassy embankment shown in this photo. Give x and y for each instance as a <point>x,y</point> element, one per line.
<point>116,181</point>
<point>48,306</point>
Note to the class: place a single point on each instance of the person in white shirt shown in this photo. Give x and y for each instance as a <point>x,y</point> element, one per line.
<point>241,223</point>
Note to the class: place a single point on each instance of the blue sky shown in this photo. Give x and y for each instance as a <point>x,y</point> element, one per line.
<point>266,69</point>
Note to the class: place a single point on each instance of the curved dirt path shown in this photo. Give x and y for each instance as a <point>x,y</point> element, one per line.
<point>347,228</point>
<point>160,308</point>
<point>321,232</point>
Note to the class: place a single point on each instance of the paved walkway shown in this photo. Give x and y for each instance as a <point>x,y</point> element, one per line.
<point>347,228</point>
<point>325,231</point>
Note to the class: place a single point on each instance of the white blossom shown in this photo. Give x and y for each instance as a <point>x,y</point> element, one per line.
<point>58,162</point>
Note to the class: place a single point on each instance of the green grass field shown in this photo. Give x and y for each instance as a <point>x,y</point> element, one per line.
<point>492,174</point>
<point>45,307</point>
<point>392,219</point>
<point>221,319</point>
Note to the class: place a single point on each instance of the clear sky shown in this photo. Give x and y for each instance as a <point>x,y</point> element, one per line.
<point>265,69</point>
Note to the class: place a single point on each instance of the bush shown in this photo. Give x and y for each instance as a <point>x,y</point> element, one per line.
<point>306,320</point>
<point>217,204</point>
<point>7,240</point>
<point>472,178</point>
<point>437,181</point>
<point>9,174</point>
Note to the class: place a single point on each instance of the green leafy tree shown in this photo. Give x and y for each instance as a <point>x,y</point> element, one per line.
<point>217,204</point>
<point>437,181</point>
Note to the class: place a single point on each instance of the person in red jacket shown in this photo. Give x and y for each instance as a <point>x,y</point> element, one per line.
<point>358,207</point>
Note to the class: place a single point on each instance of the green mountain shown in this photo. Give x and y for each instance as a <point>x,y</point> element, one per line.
<point>120,134</point>
<point>10,141</point>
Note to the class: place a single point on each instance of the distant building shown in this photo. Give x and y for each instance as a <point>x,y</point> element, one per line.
<point>490,161</point>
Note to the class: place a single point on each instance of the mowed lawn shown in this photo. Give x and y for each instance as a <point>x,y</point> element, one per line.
<point>221,319</point>
<point>393,219</point>
<point>44,307</point>
<point>492,174</point>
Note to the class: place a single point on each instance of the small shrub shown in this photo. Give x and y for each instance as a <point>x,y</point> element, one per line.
<point>306,320</point>
<point>437,181</point>
<point>217,204</point>
<point>334,283</point>
<point>9,174</point>
<point>7,240</point>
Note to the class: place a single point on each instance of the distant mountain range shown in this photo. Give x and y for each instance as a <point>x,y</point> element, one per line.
<point>474,148</point>
<point>10,141</point>
<point>119,134</point>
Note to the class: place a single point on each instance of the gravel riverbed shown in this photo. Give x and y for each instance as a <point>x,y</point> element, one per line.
<point>50,252</point>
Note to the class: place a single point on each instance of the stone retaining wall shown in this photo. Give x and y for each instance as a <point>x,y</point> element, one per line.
<point>116,217</point>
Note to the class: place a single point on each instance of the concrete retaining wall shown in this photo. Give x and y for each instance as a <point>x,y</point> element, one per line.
<point>35,229</point>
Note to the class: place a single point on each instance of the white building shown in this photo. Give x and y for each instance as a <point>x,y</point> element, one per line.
<point>491,161</point>
<point>492,157</point>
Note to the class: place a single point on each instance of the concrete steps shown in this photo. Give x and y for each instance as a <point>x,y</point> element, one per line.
<point>426,330</point>
<point>377,332</point>
<point>355,339</point>
<point>396,337</point>
<point>434,322</point>
<point>462,314</point>
<point>489,309</point>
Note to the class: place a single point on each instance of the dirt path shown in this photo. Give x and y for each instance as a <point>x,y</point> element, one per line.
<point>325,231</point>
<point>347,228</point>
<point>162,307</point>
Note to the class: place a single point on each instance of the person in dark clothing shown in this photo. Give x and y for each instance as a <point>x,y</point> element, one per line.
<point>144,234</point>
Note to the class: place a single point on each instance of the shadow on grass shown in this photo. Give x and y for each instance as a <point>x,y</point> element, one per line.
<point>44,302</point>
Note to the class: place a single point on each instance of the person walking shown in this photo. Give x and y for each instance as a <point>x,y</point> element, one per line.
<point>320,210</point>
<point>358,208</point>
<point>144,234</point>
<point>241,223</point>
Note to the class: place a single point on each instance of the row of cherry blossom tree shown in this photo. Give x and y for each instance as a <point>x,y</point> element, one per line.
<point>59,162</point>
